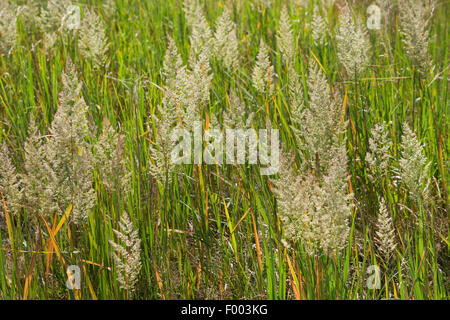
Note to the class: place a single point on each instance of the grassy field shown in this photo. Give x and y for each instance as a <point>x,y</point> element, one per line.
<point>85,111</point>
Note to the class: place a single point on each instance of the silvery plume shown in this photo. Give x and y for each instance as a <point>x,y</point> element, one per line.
<point>413,165</point>
<point>296,99</point>
<point>322,122</point>
<point>378,156</point>
<point>175,77</point>
<point>353,45</point>
<point>190,10</point>
<point>10,190</point>
<point>92,40</point>
<point>225,42</point>
<point>201,34</point>
<point>186,91</point>
<point>414,25</point>
<point>8,27</point>
<point>197,87</point>
<point>233,117</point>
<point>385,233</point>
<point>38,179</point>
<point>162,165</point>
<point>319,28</point>
<point>110,160</point>
<point>314,210</point>
<point>68,152</point>
<point>285,37</point>
<point>263,71</point>
<point>53,15</point>
<point>126,254</point>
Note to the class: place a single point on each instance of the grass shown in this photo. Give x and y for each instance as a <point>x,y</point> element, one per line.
<point>214,233</point>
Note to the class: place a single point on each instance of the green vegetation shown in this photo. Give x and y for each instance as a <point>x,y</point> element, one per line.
<point>216,231</point>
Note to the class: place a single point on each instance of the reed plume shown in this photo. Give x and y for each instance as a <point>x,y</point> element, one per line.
<point>415,19</point>
<point>226,44</point>
<point>413,165</point>
<point>322,123</point>
<point>38,179</point>
<point>285,37</point>
<point>68,152</point>
<point>385,233</point>
<point>314,210</point>
<point>319,28</point>
<point>378,156</point>
<point>263,71</point>
<point>353,45</point>
<point>162,165</point>
<point>10,191</point>
<point>110,160</point>
<point>8,27</point>
<point>92,40</point>
<point>126,254</point>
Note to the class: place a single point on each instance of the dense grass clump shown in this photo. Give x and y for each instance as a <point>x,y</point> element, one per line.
<point>90,92</point>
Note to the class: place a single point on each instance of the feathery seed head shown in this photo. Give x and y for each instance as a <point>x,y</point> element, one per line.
<point>378,156</point>
<point>312,210</point>
<point>226,44</point>
<point>162,166</point>
<point>8,27</point>
<point>385,233</point>
<point>319,28</point>
<point>38,179</point>
<point>353,45</point>
<point>322,123</point>
<point>68,152</point>
<point>413,165</point>
<point>127,254</point>
<point>10,192</point>
<point>110,160</point>
<point>233,118</point>
<point>92,40</point>
<point>285,37</point>
<point>263,71</point>
<point>414,25</point>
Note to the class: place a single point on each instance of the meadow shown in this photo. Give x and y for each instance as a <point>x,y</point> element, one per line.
<point>93,207</point>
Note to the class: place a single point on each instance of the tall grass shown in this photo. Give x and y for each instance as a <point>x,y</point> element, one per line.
<point>214,231</point>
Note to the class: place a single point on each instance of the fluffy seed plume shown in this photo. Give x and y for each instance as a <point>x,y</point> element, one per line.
<point>285,37</point>
<point>353,45</point>
<point>319,28</point>
<point>296,95</point>
<point>263,71</point>
<point>233,118</point>
<point>414,25</point>
<point>52,16</point>
<point>127,254</point>
<point>314,210</point>
<point>38,179</point>
<point>413,165</point>
<point>201,34</point>
<point>10,193</point>
<point>8,27</point>
<point>175,76</point>
<point>68,152</point>
<point>385,233</point>
<point>378,156</point>
<point>226,44</point>
<point>322,123</point>
<point>92,40</point>
<point>162,166</point>
<point>196,88</point>
<point>110,160</point>
<point>190,8</point>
